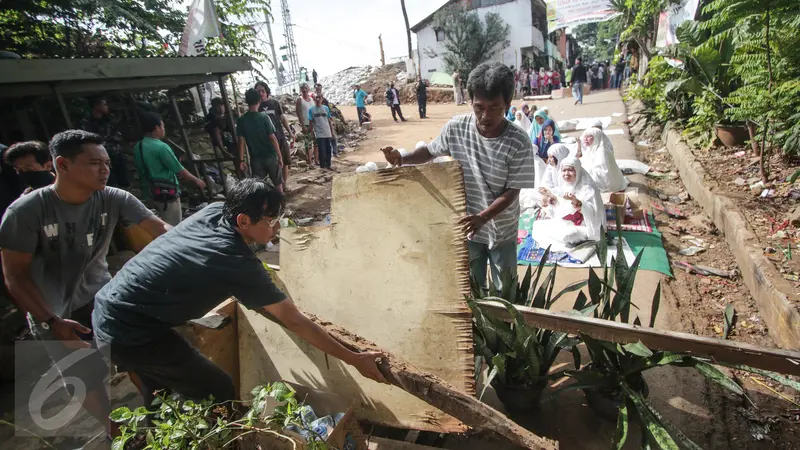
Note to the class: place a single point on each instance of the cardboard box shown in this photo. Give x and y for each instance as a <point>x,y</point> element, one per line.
<point>346,435</point>
<point>567,91</point>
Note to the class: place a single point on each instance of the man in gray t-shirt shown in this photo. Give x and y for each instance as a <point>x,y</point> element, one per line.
<point>497,159</point>
<point>319,116</point>
<point>54,241</point>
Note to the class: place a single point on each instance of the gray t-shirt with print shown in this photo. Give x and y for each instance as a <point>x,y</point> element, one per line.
<point>69,242</point>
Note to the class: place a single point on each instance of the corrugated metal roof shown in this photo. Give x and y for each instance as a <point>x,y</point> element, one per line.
<point>63,70</point>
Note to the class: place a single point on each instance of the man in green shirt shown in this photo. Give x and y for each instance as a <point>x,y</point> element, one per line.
<point>257,134</point>
<point>155,160</point>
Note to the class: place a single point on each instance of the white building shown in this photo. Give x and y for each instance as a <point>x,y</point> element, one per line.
<point>527,21</point>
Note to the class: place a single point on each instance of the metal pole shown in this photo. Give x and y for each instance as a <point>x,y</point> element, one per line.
<point>275,62</point>
<point>185,138</point>
<point>63,107</point>
<point>231,123</point>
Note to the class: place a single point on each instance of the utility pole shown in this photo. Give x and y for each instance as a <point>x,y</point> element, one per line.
<point>408,30</point>
<point>380,42</point>
<point>275,62</point>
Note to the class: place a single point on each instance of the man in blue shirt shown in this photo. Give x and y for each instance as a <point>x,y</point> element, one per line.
<point>361,105</point>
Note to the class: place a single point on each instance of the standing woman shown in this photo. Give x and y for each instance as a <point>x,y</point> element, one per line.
<point>534,82</point>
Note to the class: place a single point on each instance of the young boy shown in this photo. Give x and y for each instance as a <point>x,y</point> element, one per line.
<point>257,134</point>
<point>320,117</point>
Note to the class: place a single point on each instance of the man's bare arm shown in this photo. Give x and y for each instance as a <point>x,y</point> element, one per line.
<point>20,284</point>
<point>277,147</point>
<point>155,226</point>
<point>286,125</point>
<point>419,155</point>
<point>287,314</point>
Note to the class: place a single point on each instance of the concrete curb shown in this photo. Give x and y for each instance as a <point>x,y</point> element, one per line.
<point>766,285</point>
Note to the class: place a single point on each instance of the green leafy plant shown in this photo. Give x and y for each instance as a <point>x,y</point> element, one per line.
<point>176,423</point>
<point>519,356</point>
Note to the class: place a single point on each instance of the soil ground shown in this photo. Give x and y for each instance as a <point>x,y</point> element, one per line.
<point>735,170</point>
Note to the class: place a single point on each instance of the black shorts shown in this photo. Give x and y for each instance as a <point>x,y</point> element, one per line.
<point>170,363</point>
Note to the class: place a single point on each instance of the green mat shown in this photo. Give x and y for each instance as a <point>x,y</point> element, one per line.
<point>654,256</point>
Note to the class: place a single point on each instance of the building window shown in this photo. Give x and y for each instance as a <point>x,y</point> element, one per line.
<point>439,34</point>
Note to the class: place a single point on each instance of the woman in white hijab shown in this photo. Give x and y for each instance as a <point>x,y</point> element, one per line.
<point>575,208</point>
<point>597,157</point>
<point>522,121</point>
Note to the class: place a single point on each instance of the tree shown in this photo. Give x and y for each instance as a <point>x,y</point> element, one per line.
<point>129,28</point>
<point>598,40</point>
<point>467,40</point>
<point>408,29</point>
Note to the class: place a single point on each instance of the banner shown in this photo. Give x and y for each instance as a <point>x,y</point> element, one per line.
<point>571,13</point>
<point>201,24</point>
<point>671,19</point>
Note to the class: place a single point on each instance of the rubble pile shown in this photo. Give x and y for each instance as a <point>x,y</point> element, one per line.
<point>337,87</point>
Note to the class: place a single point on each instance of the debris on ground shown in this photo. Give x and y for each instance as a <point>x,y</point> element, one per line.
<point>691,251</point>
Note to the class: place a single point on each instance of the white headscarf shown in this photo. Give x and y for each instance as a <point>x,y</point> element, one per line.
<point>599,161</point>
<point>552,173</point>
<point>594,213</point>
<point>522,121</point>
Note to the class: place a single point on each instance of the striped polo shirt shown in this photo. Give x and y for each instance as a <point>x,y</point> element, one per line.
<point>491,166</point>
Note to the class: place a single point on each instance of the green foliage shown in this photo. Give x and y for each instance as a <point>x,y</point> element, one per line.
<point>178,423</point>
<point>468,41</point>
<point>664,101</point>
<point>766,62</point>
<point>105,28</point>
<point>517,353</point>
<point>598,40</point>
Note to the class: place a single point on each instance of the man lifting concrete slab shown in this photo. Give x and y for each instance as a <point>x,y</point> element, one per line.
<point>187,272</point>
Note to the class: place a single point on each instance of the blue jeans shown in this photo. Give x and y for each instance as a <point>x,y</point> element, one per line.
<point>501,258</point>
<point>577,92</point>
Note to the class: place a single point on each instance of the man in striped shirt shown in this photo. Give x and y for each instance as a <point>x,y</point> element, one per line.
<point>497,159</point>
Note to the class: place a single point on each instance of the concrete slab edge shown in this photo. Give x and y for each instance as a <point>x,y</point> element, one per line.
<point>766,285</point>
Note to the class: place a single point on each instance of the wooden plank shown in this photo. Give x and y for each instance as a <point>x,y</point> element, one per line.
<point>360,271</point>
<point>440,393</point>
<point>221,344</point>
<point>781,361</point>
<point>201,172</point>
<point>231,122</point>
<point>58,70</point>
<point>64,110</point>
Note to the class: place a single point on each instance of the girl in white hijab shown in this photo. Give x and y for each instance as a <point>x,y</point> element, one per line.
<point>597,157</point>
<point>522,121</point>
<point>575,207</point>
<point>556,155</point>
